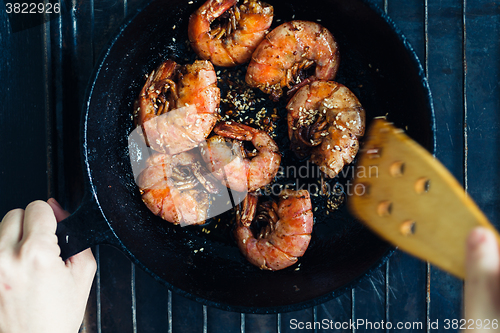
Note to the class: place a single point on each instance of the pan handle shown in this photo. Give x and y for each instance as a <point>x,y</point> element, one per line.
<point>84,228</point>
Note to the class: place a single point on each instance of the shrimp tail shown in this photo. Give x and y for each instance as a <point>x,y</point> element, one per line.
<point>248,209</point>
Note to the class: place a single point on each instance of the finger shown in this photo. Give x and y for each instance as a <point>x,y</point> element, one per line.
<point>483,258</point>
<point>59,212</point>
<point>39,220</point>
<point>482,286</point>
<point>11,228</point>
<point>83,266</point>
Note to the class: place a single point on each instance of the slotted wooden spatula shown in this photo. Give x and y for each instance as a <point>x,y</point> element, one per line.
<point>410,199</point>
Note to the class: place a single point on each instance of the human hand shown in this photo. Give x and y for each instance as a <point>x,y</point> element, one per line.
<point>482,283</point>
<point>39,292</point>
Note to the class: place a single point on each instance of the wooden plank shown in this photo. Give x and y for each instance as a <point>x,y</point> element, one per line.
<point>52,44</point>
<point>445,78</point>
<point>23,150</point>
<point>187,315</point>
<point>407,292</point>
<point>115,291</point>
<point>337,312</point>
<point>409,17</point>
<point>89,324</point>
<point>483,101</point>
<point>256,323</point>
<point>220,321</point>
<point>72,64</point>
<point>294,321</point>
<point>152,303</point>
<point>445,74</point>
<point>405,276</point>
<point>369,300</point>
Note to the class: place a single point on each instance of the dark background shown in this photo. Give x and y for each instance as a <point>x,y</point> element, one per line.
<point>44,72</point>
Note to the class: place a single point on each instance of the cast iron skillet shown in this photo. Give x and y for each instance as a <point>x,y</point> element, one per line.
<point>376,63</point>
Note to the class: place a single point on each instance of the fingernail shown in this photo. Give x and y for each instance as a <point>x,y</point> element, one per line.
<point>476,237</point>
<point>54,201</point>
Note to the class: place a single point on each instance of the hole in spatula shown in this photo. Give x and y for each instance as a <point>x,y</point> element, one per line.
<point>384,208</point>
<point>361,189</point>
<point>407,227</point>
<point>422,185</point>
<point>373,152</point>
<point>397,169</point>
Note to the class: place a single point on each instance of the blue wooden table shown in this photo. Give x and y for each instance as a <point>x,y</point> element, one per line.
<point>44,71</point>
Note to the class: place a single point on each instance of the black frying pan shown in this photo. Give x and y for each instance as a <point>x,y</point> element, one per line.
<point>376,63</point>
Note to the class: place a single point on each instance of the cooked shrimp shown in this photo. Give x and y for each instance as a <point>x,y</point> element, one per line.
<point>236,168</point>
<point>325,119</point>
<point>178,106</point>
<point>232,43</point>
<point>283,57</point>
<point>286,235</point>
<point>177,187</point>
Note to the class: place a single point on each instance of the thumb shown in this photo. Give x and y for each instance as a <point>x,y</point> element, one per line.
<point>482,284</point>
<point>83,266</point>
<point>59,212</point>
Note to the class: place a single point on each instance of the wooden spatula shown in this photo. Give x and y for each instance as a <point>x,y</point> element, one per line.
<point>410,199</point>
